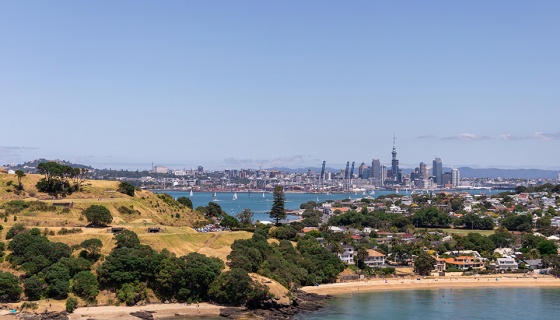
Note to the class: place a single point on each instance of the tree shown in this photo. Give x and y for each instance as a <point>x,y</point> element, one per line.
<point>245,217</point>
<point>98,215</point>
<point>20,174</point>
<point>185,201</point>
<point>71,304</point>
<point>424,263</point>
<point>86,285</point>
<point>236,288</point>
<point>9,287</point>
<point>229,222</point>
<point>214,210</point>
<point>126,188</point>
<point>92,248</point>
<point>127,239</point>
<point>547,247</point>
<point>278,212</point>
<point>33,288</point>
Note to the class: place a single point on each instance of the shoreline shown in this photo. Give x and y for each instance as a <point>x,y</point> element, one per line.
<point>158,311</point>
<point>411,283</point>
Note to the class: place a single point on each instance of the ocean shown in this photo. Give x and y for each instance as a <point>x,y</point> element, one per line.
<point>261,205</point>
<point>457,304</point>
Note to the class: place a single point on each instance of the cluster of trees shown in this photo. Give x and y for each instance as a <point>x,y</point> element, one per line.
<point>51,271</point>
<point>473,221</point>
<point>59,178</point>
<point>306,264</point>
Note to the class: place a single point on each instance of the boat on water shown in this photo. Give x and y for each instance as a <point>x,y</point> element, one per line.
<point>235,196</point>
<point>214,195</point>
<point>191,194</point>
<point>372,192</point>
<point>263,194</point>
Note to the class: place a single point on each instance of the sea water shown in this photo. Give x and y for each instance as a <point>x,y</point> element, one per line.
<point>457,304</point>
<point>261,203</point>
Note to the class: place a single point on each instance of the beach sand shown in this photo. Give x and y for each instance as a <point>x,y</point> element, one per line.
<point>411,283</point>
<point>159,311</point>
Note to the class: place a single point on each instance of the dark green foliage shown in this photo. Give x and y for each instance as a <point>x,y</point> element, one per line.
<point>15,206</point>
<point>278,212</point>
<point>245,217</point>
<point>236,288</point>
<point>475,241</point>
<point>33,252</point>
<point>431,217</point>
<point>9,287</point>
<point>474,221</point>
<point>214,210</point>
<point>519,222</point>
<point>64,231</point>
<point>59,178</point>
<point>185,201</point>
<point>424,263</point>
<point>71,304</point>
<point>125,265</point>
<point>85,285</point>
<point>131,293</point>
<point>92,248</point>
<point>75,265</point>
<point>127,239</point>
<point>229,222</point>
<point>33,288</point>
<point>98,215</point>
<point>126,188</point>
<point>127,210</point>
<point>547,247</point>
<point>59,289</point>
<point>350,218</point>
<point>15,230</point>
<point>286,232</point>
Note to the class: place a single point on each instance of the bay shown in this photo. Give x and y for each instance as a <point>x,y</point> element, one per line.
<point>480,303</point>
<point>260,203</point>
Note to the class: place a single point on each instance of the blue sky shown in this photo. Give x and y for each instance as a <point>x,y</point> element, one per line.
<point>232,84</point>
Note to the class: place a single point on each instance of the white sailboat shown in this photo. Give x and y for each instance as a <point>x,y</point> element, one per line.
<point>214,195</point>
<point>191,194</point>
<point>372,192</point>
<point>235,196</point>
<point>263,194</point>
<point>397,190</point>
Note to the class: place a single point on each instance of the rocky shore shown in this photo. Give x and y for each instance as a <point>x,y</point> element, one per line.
<point>304,302</point>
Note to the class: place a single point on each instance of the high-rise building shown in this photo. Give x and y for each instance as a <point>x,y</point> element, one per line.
<point>200,169</point>
<point>424,173</point>
<point>395,174</point>
<point>455,177</point>
<point>383,174</point>
<point>446,178</point>
<point>437,171</point>
<point>376,169</point>
<point>361,170</point>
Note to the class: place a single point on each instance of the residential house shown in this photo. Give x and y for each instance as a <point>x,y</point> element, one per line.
<point>347,254</point>
<point>504,252</point>
<point>375,259</point>
<point>506,264</point>
<point>440,265</point>
<point>464,263</point>
<point>534,264</point>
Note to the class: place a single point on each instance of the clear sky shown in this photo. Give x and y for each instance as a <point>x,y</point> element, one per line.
<point>244,84</point>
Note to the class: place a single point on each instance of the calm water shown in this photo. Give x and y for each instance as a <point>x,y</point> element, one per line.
<point>261,205</point>
<point>480,304</point>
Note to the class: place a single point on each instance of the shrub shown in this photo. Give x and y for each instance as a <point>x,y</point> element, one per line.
<point>9,287</point>
<point>15,230</point>
<point>71,304</point>
<point>64,231</point>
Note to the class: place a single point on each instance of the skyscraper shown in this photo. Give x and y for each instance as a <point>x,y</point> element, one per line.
<point>376,169</point>
<point>423,170</point>
<point>437,171</point>
<point>455,177</point>
<point>361,170</point>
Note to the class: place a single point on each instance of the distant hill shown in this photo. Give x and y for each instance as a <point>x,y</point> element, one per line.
<point>31,165</point>
<point>467,172</point>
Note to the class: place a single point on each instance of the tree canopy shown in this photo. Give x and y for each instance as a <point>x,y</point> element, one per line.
<point>278,212</point>
<point>98,215</point>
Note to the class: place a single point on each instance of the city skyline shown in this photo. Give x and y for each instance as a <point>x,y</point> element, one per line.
<point>288,84</point>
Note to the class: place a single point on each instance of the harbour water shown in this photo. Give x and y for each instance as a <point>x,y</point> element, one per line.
<point>480,304</point>
<point>260,203</point>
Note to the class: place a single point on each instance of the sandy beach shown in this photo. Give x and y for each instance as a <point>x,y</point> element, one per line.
<point>159,311</point>
<point>412,283</point>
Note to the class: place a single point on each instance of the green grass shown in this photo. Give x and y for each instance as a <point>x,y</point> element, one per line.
<point>464,232</point>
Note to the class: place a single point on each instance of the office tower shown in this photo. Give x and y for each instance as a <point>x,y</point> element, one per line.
<point>376,169</point>
<point>455,177</point>
<point>361,170</point>
<point>437,171</point>
<point>424,173</point>
<point>383,174</point>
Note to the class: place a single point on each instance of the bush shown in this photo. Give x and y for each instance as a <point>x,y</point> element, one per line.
<point>64,231</point>
<point>85,285</point>
<point>127,210</point>
<point>71,304</point>
<point>9,287</point>
<point>126,188</point>
<point>15,230</point>
<point>131,293</point>
<point>33,288</point>
<point>30,305</point>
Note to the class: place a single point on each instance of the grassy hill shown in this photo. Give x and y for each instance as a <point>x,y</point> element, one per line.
<point>137,213</point>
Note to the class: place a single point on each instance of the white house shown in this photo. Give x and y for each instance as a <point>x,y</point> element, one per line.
<point>347,254</point>
<point>506,264</point>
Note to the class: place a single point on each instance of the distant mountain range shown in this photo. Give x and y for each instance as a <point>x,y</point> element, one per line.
<point>465,172</point>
